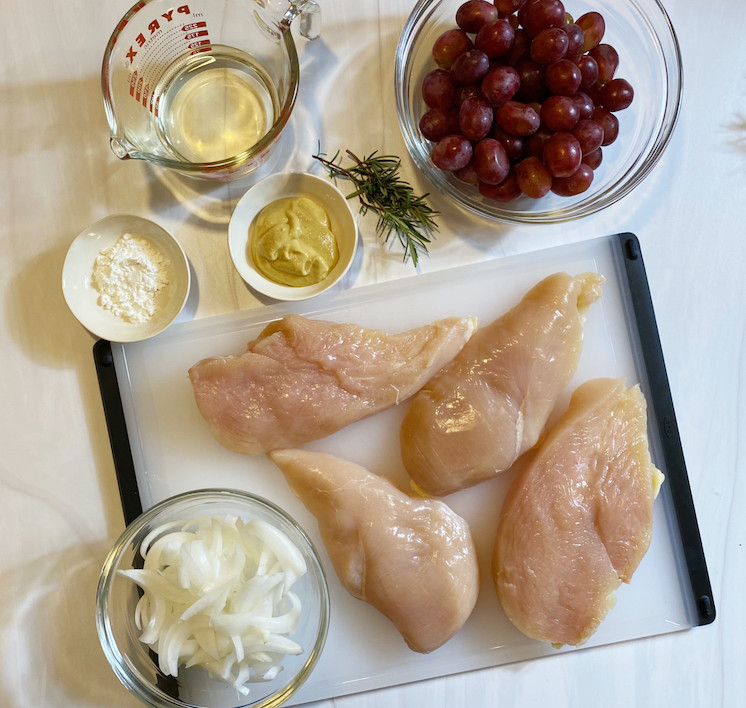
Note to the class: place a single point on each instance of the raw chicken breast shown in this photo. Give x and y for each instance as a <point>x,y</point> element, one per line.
<point>490,404</point>
<point>412,559</point>
<point>578,519</point>
<point>303,379</point>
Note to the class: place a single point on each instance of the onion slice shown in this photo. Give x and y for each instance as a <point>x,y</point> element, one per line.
<point>216,593</point>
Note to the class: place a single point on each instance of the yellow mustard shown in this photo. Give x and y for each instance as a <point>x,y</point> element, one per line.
<point>291,242</point>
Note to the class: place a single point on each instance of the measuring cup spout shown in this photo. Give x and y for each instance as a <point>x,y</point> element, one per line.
<point>310,18</point>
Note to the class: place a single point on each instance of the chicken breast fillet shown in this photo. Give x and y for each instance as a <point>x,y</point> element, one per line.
<point>475,417</point>
<point>578,519</point>
<point>412,559</point>
<point>303,379</point>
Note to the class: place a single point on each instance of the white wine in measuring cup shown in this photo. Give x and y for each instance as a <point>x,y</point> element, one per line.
<point>214,106</point>
<point>205,87</point>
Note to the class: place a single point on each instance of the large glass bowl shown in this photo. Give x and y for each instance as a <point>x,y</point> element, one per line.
<point>137,666</point>
<point>649,58</point>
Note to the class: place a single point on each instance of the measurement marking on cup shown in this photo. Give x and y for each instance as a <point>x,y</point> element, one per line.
<point>154,25</point>
<point>194,36</point>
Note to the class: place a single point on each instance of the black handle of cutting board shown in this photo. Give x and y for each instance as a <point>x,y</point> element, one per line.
<point>116,424</point>
<point>661,401</point>
<point>668,432</point>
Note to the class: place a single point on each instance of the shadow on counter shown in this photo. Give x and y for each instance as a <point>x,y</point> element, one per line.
<point>738,127</point>
<point>47,620</point>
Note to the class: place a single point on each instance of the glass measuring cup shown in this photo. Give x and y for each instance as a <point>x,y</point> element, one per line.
<point>204,87</point>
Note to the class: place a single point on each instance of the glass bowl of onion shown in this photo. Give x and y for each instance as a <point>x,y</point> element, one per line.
<point>537,111</point>
<point>213,599</point>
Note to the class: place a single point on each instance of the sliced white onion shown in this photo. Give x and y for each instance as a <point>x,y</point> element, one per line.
<point>216,594</point>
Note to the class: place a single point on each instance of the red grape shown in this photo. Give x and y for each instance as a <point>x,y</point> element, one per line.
<point>535,143</point>
<point>533,86</point>
<point>475,118</point>
<point>575,37</point>
<point>491,162</point>
<point>593,26</point>
<point>450,45</point>
<point>559,113</point>
<point>609,122</point>
<point>512,19</point>
<point>513,144</point>
<point>495,39</point>
<point>542,14</point>
<point>506,191</point>
<point>517,118</point>
<point>590,135</point>
<point>464,92</point>
<point>549,45</point>
<point>524,98</point>
<point>584,103</point>
<point>617,95</point>
<point>467,174</point>
<point>577,183</point>
<point>438,89</point>
<point>562,154</point>
<point>508,7</point>
<point>563,77</point>
<point>475,14</point>
<point>500,84</point>
<point>439,122</point>
<point>452,152</point>
<point>533,177</point>
<point>521,14</point>
<point>607,59</point>
<point>521,48</point>
<point>593,159</point>
<point>470,67</point>
<point>588,70</point>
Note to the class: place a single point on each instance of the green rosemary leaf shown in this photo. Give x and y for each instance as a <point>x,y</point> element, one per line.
<point>379,188</point>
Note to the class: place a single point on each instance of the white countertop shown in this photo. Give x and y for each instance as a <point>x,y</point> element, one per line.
<point>61,509</point>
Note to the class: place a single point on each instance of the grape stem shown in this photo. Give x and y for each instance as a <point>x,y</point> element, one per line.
<point>379,188</point>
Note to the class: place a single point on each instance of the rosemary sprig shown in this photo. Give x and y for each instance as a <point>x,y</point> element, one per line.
<point>379,188</point>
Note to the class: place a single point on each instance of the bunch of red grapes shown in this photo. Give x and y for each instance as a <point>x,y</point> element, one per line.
<point>524,98</point>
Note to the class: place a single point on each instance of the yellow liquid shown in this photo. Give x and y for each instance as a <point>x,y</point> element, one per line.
<point>214,108</point>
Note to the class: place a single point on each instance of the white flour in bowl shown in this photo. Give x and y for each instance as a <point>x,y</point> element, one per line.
<point>128,276</point>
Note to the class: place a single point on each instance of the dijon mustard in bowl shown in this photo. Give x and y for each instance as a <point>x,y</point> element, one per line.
<point>292,236</point>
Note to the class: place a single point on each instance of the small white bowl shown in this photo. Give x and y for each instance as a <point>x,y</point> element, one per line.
<point>83,299</point>
<point>279,186</point>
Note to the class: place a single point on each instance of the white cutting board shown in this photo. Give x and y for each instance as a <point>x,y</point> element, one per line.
<point>173,452</point>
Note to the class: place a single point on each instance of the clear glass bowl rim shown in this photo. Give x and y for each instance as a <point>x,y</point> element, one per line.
<point>624,183</point>
<point>118,663</point>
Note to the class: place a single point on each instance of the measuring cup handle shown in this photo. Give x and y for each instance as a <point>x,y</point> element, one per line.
<point>310,17</point>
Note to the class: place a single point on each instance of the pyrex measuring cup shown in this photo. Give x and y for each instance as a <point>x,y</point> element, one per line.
<point>204,87</point>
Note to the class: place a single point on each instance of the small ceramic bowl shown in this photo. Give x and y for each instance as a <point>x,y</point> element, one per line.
<point>137,666</point>
<point>84,300</point>
<point>278,186</point>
